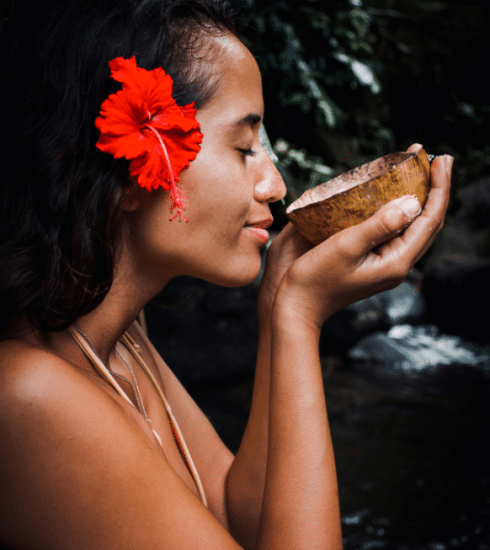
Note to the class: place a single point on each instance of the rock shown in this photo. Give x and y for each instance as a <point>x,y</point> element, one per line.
<point>409,348</point>
<point>403,304</point>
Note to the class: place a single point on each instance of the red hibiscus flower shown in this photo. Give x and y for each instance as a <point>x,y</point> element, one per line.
<point>143,123</point>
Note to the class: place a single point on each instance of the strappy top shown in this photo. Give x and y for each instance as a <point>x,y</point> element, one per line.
<point>104,372</point>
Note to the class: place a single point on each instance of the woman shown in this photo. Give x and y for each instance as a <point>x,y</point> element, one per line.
<point>101,445</point>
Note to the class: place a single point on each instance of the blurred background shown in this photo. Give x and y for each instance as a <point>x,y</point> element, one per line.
<point>407,372</point>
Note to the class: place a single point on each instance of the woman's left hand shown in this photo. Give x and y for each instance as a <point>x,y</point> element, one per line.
<point>287,247</point>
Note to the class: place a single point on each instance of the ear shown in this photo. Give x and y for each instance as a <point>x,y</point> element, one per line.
<point>130,198</point>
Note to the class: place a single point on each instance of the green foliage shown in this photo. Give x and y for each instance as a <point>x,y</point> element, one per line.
<point>433,55</point>
<point>318,76</point>
<point>311,53</point>
<point>346,81</point>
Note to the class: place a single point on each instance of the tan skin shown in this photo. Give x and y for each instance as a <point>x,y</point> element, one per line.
<point>80,467</point>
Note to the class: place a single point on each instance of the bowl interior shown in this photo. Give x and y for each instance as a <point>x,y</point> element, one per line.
<point>348,180</point>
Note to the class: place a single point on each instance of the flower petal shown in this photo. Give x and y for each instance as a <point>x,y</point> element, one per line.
<point>143,123</point>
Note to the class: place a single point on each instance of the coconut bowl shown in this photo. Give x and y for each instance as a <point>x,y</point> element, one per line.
<point>353,197</point>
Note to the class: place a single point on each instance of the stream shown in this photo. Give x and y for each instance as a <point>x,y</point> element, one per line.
<point>410,435</point>
<point>409,413</point>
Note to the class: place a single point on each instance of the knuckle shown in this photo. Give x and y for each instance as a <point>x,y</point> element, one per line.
<point>345,244</point>
<point>436,226</point>
<point>391,220</point>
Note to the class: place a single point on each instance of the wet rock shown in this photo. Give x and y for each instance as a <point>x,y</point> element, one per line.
<point>206,332</point>
<point>409,348</point>
<point>403,304</point>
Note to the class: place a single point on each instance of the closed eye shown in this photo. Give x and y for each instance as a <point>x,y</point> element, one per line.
<point>248,152</point>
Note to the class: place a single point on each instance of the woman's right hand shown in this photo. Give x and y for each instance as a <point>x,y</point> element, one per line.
<point>354,264</point>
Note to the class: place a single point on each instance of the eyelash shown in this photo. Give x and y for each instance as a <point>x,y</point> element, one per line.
<point>248,152</point>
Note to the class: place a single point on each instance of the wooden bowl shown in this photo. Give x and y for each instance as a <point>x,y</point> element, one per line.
<point>353,197</point>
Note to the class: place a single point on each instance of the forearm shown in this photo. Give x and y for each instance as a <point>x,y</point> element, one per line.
<point>246,477</point>
<point>300,502</point>
<point>301,496</point>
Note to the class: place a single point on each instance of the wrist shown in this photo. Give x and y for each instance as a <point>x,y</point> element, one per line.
<point>290,316</point>
<point>265,301</point>
<point>297,307</point>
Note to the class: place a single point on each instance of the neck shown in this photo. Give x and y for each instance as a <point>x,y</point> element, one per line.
<point>130,292</point>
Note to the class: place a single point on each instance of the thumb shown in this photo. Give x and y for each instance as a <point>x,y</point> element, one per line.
<point>387,223</point>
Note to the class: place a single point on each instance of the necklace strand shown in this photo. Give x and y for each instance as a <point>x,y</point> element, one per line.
<point>139,402</point>
<point>89,350</point>
<point>142,408</point>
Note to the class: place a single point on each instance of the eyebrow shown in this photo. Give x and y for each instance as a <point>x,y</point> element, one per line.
<point>250,120</point>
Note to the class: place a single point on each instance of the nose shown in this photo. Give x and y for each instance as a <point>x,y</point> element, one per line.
<point>270,186</point>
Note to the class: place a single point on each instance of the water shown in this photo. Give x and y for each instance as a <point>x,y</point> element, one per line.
<point>413,464</point>
<point>409,414</point>
<point>418,348</point>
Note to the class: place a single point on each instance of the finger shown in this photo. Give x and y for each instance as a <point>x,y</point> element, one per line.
<point>415,148</point>
<point>388,222</point>
<point>418,238</point>
<point>420,235</point>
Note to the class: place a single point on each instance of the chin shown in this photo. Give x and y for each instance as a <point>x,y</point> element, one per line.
<point>235,282</point>
<point>235,278</point>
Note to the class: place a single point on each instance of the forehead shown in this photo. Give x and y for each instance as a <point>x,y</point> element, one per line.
<point>238,93</point>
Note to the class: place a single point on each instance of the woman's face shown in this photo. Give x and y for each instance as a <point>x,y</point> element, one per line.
<point>228,186</point>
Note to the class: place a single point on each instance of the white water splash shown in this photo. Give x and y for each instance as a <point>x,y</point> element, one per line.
<point>419,347</point>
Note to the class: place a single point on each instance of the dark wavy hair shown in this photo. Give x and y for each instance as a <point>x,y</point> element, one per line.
<point>60,215</point>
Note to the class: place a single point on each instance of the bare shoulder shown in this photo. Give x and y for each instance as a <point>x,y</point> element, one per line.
<point>28,373</point>
<point>43,397</point>
<point>77,471</point>
<point>34,378</point>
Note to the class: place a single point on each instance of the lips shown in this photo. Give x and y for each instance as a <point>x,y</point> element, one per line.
<point>259,230</point>
<point>264,224</point>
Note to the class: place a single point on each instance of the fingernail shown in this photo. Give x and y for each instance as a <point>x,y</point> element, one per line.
<point>410,206</point>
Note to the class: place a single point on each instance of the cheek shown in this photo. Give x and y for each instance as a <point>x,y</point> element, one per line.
<point>220,200</point>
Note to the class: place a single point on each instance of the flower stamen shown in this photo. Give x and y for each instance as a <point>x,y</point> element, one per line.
<point>176,194</point>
